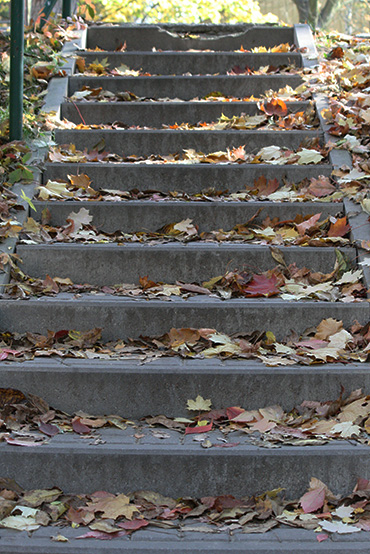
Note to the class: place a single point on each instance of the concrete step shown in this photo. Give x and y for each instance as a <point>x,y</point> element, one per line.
<point>173,466</point>
<point>187,88</point>
<point>154,114</point>
<point>182,177</point>
<point>180,541</point>
<point>89,263</point>
<point>166,37</point>
<point>122,317</point>
<point>163,142</point>
<point>177,63</point>
<point>140,215</point>
<point>133,389</point>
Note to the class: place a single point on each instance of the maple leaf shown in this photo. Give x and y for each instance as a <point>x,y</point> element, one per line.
<point>327,328</point>
<point>339,228</point>
<point>199,404</point>
<point>262,285</point>
<point>264,187</point>
<point>276,106</point>
<point>112,508</point>
<point>321,187</point>
<point>339,527</point>
<point>54,189</point>
<point>80,218</point>
<point>81,181</point>
<point>306,156</point>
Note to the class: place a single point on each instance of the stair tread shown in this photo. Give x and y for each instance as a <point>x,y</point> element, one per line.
<point>168,541</point>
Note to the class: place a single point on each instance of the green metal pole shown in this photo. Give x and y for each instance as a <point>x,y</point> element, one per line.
<point>16,70</point>
<point>67,8</point>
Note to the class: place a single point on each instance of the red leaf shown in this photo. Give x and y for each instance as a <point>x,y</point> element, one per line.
<point>61,334</point>
<point>276,106</point>
<point>339,228</point>
<point>313,500</point>
<point>261,285</point>
<point>198,429</point>
<point>336,53</point>
<point>322,537</point>
<point>79,427</point>
<point>48,429</point>
<point>101,535</point>
<point>321,187</point>
<point>134,524</point>
<point>264,187</point>
<point>308,224</point>
<point>234,411</point>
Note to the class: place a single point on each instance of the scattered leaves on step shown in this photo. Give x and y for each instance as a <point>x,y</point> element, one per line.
<point>257,513</point>
<point>309,348</point>
<point>79,187</point>
<point>275,155</point>
<point>342,284</point>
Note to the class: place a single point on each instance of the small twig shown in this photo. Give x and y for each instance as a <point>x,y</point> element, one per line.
<point>79,113</point>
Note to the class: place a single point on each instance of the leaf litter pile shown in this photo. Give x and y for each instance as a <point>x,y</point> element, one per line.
<point>308,153</point>
<point>328,342</point>
<point>29,421</point>
<point>79,187</point>
<point>301,231</point>
<point>274,117</point>
<point>88,94</point>
<point>288,282</point>
<point>105,516</point>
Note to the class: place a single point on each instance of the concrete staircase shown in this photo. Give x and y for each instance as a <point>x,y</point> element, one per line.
<point>177,467</point>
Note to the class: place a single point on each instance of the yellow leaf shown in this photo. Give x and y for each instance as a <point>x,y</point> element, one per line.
<point>199,404</point>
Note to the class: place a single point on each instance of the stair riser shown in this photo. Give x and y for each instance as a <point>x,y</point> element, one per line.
<point>178,474</point>
<point>145,143</point>
<point>187,88</point>
<point>177,63</point>
<point>135,216</point>
<point>134,390</point>
<point>122,317</point>
<point>89,264</point>
<point>156,114</point>
<point>146,38</point>
<point>191,179</point>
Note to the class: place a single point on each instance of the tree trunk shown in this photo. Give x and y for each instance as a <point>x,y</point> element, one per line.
<point>327,12</point>
<point>37,7</point>
<point>308,12</point>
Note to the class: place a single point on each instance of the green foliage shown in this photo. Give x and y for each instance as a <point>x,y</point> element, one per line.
<point>42,61</point>
<point>183,11</point>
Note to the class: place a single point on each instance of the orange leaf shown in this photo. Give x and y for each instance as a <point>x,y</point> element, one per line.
<point>339,228</point>
<point>276,106</point>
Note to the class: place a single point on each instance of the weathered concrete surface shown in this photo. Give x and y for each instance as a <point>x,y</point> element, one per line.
<point>169,141</point>
<point>134,389</point>
<point>173,466</point>
<point>103,264</point>
<point>163,37</point>
<point>154,114</point>
<point>182,177</point>
<point>180,541</point>
<point>122,317</point>
<point>140,215</point>
<point>187,88</point>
